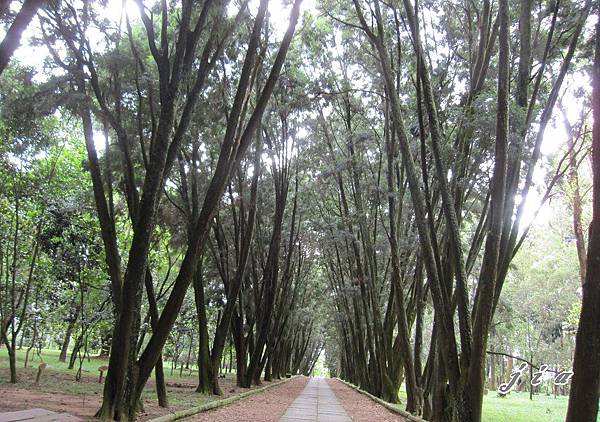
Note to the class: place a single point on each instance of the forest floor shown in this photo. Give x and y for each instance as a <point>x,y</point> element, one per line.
<point>60,392</point>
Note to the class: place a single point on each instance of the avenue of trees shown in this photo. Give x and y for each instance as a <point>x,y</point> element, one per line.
<point>203,184</point>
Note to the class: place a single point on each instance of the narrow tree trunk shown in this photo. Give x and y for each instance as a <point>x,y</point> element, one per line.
<point>204,363</point>
<point>33,340</point>
<point>268,370</point>
<point>161,389</point>
<point>65,346</point>
<point>74,352</point>
<point>12,361</point>
<point>241,354</point>
<point>575,197</point>
<point>475,382</point>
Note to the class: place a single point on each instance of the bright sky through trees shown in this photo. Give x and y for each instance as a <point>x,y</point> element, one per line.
<point>290,185</point>
<point>554,138</point>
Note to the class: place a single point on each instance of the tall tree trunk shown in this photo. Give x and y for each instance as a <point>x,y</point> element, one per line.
<point>482,313</point>
<point>583,398</point>
<point>204,363</point>
<point>76,347</point>
<point>65,346</point>
<point>575,196</point>
<point>413,403</point>
<point>31,346</point>
<point>241,354</point>
<point>12,357</point>
<point>161,389</point>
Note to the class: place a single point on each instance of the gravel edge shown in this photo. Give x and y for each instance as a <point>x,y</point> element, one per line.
<point>218,403</point>
<point>385,404</point>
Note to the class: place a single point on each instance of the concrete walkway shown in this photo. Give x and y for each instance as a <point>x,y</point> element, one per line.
<point>316,403</point>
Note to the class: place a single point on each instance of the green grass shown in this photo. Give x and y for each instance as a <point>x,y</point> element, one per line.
<point>49,356</point>
<point>516,407</point>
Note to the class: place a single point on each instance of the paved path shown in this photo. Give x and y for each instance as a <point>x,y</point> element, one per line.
<point>37,415</point>
<point>316,403</point>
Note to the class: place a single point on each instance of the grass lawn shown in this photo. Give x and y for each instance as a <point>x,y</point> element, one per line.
<point>517,407</point>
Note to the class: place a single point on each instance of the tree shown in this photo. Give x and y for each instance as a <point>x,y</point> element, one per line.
<point>441,207</point>
<point>127,373</point>
<point>26,128</point>
<point>583,398</point>
<point>12,38</point>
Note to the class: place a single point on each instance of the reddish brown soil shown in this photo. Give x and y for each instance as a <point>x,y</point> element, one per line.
<point>360,407</point>
<point>14,399</point>
<point>21,397</point>
<point>267,406</point>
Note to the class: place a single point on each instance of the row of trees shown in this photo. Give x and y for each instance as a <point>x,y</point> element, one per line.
<point>434,150</point>
<point>196,180</point>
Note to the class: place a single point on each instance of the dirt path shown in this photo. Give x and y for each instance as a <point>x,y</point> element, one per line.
<point>360,407</point>
<point>268,406</point>
<point>271,405</point>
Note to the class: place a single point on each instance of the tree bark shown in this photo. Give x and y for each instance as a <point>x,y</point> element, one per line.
<point>204,363</point>
<point>583,397</point>
<point>482,313</point>
<point>161,389</point>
